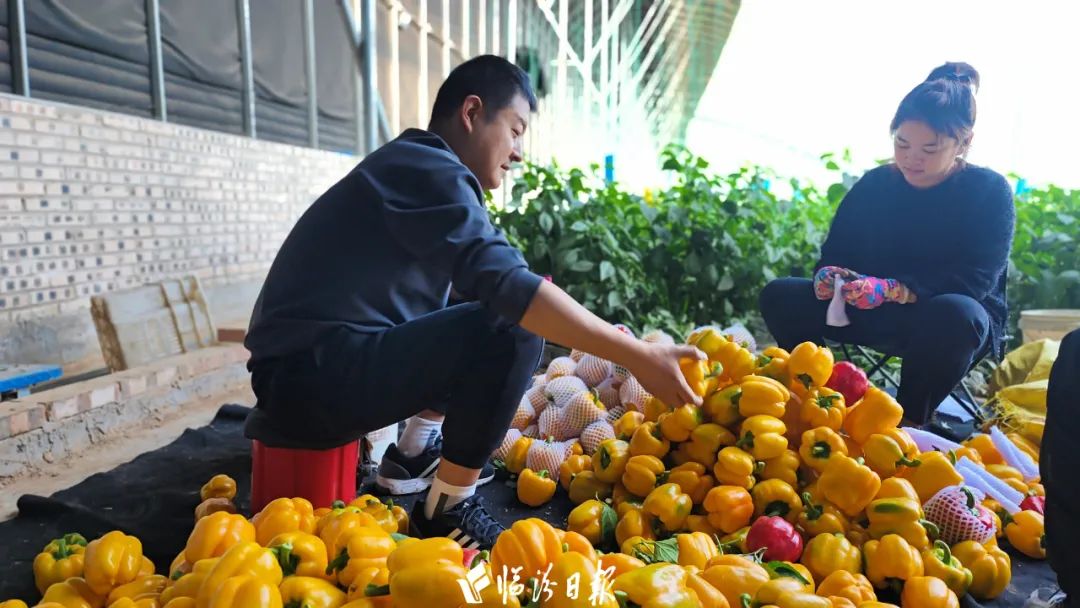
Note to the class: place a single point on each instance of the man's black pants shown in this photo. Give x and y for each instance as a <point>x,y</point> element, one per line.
<point>1059,467</point>
<point>463,361</point>
<point>939,339</point>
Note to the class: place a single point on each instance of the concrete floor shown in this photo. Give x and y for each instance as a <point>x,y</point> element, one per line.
<point>115,451</point>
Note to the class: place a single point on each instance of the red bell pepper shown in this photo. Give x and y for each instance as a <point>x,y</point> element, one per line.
<point>777,536</point>
<point>848,380</point>
<point>1034,503</point>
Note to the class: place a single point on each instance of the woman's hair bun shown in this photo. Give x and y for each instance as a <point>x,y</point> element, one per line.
<point>956,71</point>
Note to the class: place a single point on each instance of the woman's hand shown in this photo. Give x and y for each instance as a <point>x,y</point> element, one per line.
<point>825,279</point>
<point>870,292</point>
<point>656,367</point>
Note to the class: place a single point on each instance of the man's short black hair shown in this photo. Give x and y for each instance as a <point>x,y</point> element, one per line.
<point>491,78</point>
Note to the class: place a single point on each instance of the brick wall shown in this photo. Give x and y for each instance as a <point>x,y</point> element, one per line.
<point>93,201</point>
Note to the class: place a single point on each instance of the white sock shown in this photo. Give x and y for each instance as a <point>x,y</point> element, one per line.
<point>442,496</point>
<point>419,433</point>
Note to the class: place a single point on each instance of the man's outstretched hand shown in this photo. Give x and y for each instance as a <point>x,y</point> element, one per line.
<point>656,367</point>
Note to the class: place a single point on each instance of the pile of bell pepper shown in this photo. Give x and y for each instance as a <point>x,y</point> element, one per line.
<point>287,554</point>
<point>790,486</point>
<point>791,480</point>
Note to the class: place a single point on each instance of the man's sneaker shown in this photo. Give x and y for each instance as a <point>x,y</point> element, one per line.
<point>467,523</point>
<point>398,474</point>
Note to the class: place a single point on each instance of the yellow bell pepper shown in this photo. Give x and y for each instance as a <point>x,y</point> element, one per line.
<point>374,507</point>
<point>928,592</point>
<point>669,505</point>
<point>656,586</point>
<point>60,560</point>
<point>619,495</point>
<point>579,584</point>
<point>784,467</point>
<point>705,441</point>
<point>654,408</point>
<point>300,554</point>
<point>763,437</point>
<point>620,563</point>
<point>736,360</point>
<point>642,474</point>
<point>708,596</point>
<point>776,498</point>
<point>246,591</point>
<point>311,592</point>
<point>935,471</point>
<point>425,574</point>
<point>696,372</point>
<point>851,586</point>
<point>722,406</point>
<point>401,516</point>
<point>360,557</point>
<point>283,515</point>
<point>1026,533</point>
<point>1011,476</point>
<point>213,505</point>
<point>700,523</point>
<point>219,486</point>
<point>849,484</point>
<point>991,568</point>
<point>818,445</point>
<point>761,396</point>
<point>140,588</point>
<point>896,487</point>
<point>876,412</point>
<point>891,560</point>
<point>940,562</point>
<point>810,365</point>
<point>515,457</point>
<point>341,523</point>
<point>692,480</point>
<point>769,594</point>
<point>735,467</point>
<point>594,520</point>
<point>535,488</point>
<point>827,553</point>
<point>772,363</point>
<point>885,456</point>
<point>634,523</point>
<point>648,441</point>
<point>531,544</point>
<point>75,592</point>
<point>572,466</point>
<point>1024,445</point>
<point>609,460</point>
<point>677,424</point>
<point>903,517</point>
<point>735,575</point>
<point>242,559</point>
<point>627,424</point>
<point>586,486</point>
<point>214,534</point>
<point>14,604</point>
<point>111,561</point>
<point>821,518</point>
<point>696,549</point>
<point>823,407</point>
<point>187,585</point>
<point>735,542</point>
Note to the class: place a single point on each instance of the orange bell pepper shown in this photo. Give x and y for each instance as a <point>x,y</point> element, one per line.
<point>572,466</point>
<point>928,592</point>
<point>649,441</point>
<point>876,412</point>
<point>219,486</point>
<point>729,508</point>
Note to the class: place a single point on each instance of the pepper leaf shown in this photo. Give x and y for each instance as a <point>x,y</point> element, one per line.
<point>783,569</point>
<point>608,520</point>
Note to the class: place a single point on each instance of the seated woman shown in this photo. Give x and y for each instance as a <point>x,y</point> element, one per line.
<point>918,249</point>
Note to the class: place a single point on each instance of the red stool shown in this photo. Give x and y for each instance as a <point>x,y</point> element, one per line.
<point>321,476</point>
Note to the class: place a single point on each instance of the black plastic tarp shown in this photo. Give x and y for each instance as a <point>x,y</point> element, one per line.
<point>200,44</point>
<point>335,66</point>
<point>89,53</point>
<point>277,44</point>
